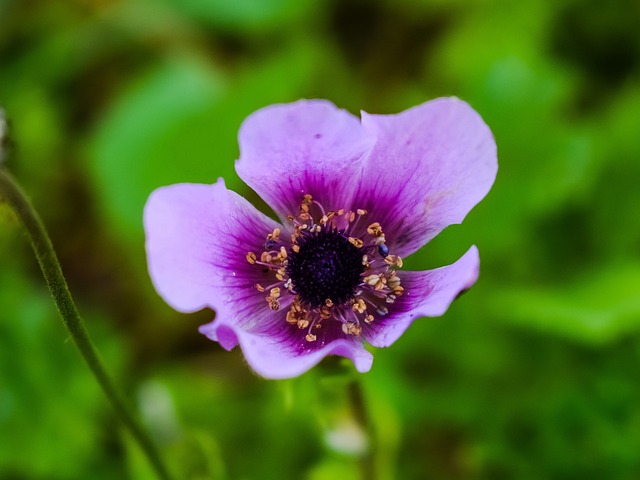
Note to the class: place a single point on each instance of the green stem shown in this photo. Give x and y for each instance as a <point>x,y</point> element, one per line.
<point>13,195</point>
<point>361,413</point>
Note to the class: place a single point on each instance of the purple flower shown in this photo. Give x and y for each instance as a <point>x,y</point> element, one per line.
<point>353,197</point>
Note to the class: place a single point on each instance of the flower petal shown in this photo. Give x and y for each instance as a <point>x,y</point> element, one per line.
<point>197,238</point>
<point>430,166</point>
<point>280,350</point>
<point>309,146</point>
<point>427,294</point>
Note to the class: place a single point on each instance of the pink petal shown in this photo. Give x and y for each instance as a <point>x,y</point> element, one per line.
<point>309,146</point>
<point>197,240</point>
<point>427,294</point>
<point>430,166</point>
<point>273,353</point>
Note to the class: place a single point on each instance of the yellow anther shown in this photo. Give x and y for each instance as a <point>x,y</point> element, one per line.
<point>360,211</point>
<point>328,302</point>
<point>291,317</point>
<point>356,242</point>
<point>393,260</point>
<point>374,229</point>
<point>274,303</point>
<point>251,258</point>
<point>352,217</point>
<point>368,319</point>
<point>359,306</point>
<point>351,328</point>
<point>259,287</point>
<point>274,235</point>
<point>307,199</point>
<point>303,323</point>
<point>393,281</point>
<point>372,280</point>
<point>295,248</point>
<point>310,337</point>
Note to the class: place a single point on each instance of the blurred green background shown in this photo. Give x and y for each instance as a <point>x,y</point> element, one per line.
<point>533,374</point>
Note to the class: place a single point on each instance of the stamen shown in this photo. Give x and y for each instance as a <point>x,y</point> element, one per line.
<point>329,279</point>
<point>374,229</point>
<point>393,260</point>
<point>356,241</point>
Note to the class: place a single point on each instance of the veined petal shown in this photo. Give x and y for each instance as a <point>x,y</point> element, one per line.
<point>429,167</point>
<point>197,239</point>
<point>275,349</point>
<point>427,294</point>
<point>306,147</point>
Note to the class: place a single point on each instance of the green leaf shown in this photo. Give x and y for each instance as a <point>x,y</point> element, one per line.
<point>160,131</point>
<point>597,309</point>
<point>245,14</point>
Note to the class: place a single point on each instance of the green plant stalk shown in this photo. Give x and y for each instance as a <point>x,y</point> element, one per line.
<point>11,193</point>
<point>362,415</point>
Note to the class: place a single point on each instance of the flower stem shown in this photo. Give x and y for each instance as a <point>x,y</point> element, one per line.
<point>11,193</point>
<point>361,414</point>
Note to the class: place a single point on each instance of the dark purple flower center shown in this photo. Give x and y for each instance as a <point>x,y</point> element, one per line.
<point>327,266</point>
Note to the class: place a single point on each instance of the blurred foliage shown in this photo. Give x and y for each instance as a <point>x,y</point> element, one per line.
<point>532,374</point>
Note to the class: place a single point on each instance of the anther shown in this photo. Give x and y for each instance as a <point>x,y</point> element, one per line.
<point>393,260</point>
<point>351,328</point>
<point>251,258</point>
<point>310,337</point>
<point>356,242</point>
<point>371,280</point>
<point>359,306</point>
<point>374,229</point>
